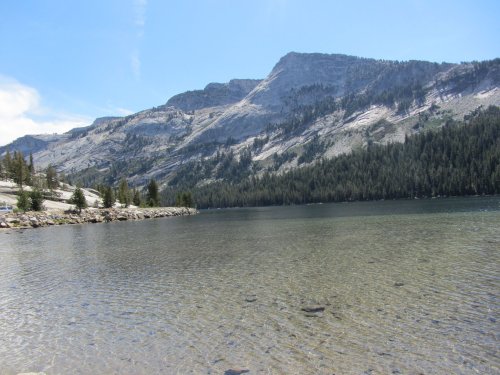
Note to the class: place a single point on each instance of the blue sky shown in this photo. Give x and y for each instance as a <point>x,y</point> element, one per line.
<point>65,62</point>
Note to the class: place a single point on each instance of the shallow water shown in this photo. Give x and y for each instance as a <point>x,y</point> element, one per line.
<point>408,287</point>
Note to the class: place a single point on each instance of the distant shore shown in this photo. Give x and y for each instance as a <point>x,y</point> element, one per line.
<point>32,219</point>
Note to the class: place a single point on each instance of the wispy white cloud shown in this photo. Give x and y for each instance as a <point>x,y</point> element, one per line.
<point>139,21</point>
<point>21,113</point>
<point>140,12</point>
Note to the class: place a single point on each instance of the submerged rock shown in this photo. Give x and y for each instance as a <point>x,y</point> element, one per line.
<point>313,309</point>
<point>251,298</point>
<point>236,371</point>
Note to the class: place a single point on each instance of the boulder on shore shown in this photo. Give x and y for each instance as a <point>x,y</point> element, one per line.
<point>91,215</point>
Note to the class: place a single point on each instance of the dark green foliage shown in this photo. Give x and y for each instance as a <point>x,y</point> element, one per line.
<point>36,197</point>
<point>23,201</point>
<point>225,165</point>
<point>153,194</point>
<point>136,143</point>
<point>108,197</point>
<point>78,199</point>
<point>15,167</point>
<point>283,158</point>
<point>136,200</point>
<point>303,115</point>
<point>19,170</point>
<point>7,167</point>
<point>403,96</point>
<point>93,176</point>
<point>51,178</point>
<point>258,143</point>
<point>124,193</point>
<point>458,159</point>
<point>230,141</point>
<point>31,165</point>
<point>471,78</point>
<point>311,150</point>
<point>30,201</point>
<point>184,199</point>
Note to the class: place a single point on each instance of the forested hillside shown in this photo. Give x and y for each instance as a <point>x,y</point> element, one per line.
<point>457,159</point>
<point>311,106</point>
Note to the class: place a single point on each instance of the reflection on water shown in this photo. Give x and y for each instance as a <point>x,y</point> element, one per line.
<point>407,288</point>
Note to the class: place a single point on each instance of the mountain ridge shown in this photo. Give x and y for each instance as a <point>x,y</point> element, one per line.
<point>338,102</point>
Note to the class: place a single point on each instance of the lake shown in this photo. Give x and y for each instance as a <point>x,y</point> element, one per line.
<point>395,287</point>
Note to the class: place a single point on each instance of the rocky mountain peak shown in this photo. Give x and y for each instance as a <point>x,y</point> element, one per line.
<point>311,105</point>
<point>214,94</point>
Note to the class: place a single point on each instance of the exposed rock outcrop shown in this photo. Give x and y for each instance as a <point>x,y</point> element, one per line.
<point>340,100</point>
<point>214,94</point>
<point>49,218</point>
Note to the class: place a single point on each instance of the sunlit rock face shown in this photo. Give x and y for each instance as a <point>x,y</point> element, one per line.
<point>345,102</point>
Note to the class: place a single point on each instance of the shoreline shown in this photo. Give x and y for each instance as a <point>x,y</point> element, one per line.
<point>37,219</point>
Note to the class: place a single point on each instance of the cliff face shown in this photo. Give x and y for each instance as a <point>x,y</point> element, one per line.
<point>214,94</point>
<point>329,103</point>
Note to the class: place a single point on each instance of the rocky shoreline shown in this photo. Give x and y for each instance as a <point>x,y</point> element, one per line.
<point>92,215</point>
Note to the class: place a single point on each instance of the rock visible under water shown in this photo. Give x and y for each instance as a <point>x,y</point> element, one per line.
<point>236,371</point>
<point>313,309</point>
<point>251,298</point>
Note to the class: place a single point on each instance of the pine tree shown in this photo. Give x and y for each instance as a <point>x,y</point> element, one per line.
<point>31,165</point>
<point>23,200</point>
<point>153,197</point>
<point>36,200</point>
<point>137,198</point>
<point>184,199</point>
<point>51,177</point>
<point>108,197</point>
<point>457,159</point>
<point>19,169</point>
<point>124,193</point>
<point>8,164</point>
<point>78,199</point>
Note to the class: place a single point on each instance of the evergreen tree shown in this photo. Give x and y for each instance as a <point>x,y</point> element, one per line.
<point>78,199</point>
<point>8,164</point>
<point>23,200</point>
<point>184,199</point>
<point>153,196</point>
<point>137,198</point>
<point>31,165</point>
<point>124,193</point>
<point>108,197</point>
<point>51,177</point>
<point>457,159</point>
<point>19,169</point>
<point>36,197</point>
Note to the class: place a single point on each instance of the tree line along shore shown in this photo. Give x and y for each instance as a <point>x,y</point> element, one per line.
<point>456,159</point>
<point>32,199</point>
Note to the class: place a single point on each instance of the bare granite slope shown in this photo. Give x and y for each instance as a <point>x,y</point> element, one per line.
<point>343,101</point>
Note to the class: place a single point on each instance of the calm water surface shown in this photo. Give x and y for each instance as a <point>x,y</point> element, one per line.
<point>409,287</point>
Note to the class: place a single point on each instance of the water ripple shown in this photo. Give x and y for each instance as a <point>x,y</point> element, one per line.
<point>404,293</point>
